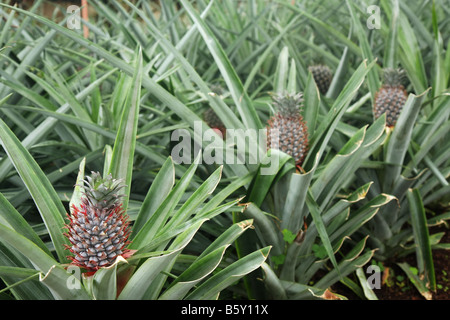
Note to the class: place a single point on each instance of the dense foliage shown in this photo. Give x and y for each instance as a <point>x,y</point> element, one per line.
<point>215,213</point>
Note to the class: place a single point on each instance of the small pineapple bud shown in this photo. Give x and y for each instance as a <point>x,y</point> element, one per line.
<point>391,97</point>
<point>98,229</point>
<point>286,129</point>
<point>211,118</point>
<point>322,76</point>
<point>288,104</point>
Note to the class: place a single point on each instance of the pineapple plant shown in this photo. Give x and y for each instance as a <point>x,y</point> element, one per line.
<point>98,228</point>
<point>391,97</point>
<point>286,129</point>
<point>322,76</point>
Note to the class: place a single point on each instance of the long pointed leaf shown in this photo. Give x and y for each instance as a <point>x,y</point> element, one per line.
<point>9,216</point>
<point>139,284</point>
<point>240,97</point>
<point>214,285</point>
<point>122,158</point>
<point>399,141</point>
<point>162,214</point>
<point>160,188</point>
<point>52,274</point>
<point>45,197</point>
<point>421,237</point>
<point>317,218</point>
<point>196,272</point>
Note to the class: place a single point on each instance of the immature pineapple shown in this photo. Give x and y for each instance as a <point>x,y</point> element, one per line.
<point>211,118</point>
<point>322,76</point>
<point>287,131</point>
<point>391,97</point>
<point>98,228</point>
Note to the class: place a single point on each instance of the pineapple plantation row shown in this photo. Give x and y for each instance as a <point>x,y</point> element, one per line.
<point>132,164</point>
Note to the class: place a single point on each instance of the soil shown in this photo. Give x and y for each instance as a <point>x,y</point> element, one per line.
<point>399,287</point>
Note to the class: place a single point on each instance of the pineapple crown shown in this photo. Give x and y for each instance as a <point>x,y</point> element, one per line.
<point>394,77</point>
<point>102,192</point>
<point>288,104</point>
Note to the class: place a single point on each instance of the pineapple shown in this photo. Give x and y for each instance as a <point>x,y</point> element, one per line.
<point>98,229</point>
<point>391,97</point>
<point>286,129</point>
<point>211,118</point>
<point>322,76</point>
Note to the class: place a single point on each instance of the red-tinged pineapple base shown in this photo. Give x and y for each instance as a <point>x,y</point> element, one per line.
<point>98,236</point>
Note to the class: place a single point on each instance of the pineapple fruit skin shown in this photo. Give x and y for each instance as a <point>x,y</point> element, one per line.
<point>98,236</point>
<point>286,129</point>
<point>213,121</point>
<point>389,100</point>
<point>391,97</point>
<point>288,135</point>
<point>98,229</point>
<point>322,76</point>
